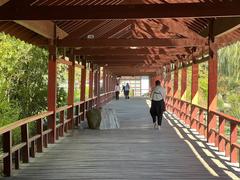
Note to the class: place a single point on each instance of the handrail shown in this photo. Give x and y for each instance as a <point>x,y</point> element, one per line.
<point>198,106</point>
<point>225,116</point>
<point>63,108</point>
<point>88,99</point>
<point>44,135</point>
<point>78,103</point>
<point>215,133</point>
<point>21,122</point>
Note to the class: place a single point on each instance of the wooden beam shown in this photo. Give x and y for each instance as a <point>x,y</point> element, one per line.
<point>127,11</point>
<point>117,51</point>
<point>44,28</point>
<point>223,26</point>
<point>154,42</point>
<point>2,2</point>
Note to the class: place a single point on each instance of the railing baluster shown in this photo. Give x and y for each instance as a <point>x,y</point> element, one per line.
<point>70,116</point>
<point>25,138</point>
<point>32,149</point>
<point>45,140</point>
<point>62,122</point>
<point>221,144</point>
<point>233,141</point>
<point>77,115</point>
<point>40,139</point>
<point>17,159</point>
<point>7,148</point>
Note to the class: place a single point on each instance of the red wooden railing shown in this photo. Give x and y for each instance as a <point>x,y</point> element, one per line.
<point>30,145</point>
<point>197,118</point>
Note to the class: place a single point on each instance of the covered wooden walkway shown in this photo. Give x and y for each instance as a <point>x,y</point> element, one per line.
<point>135,151</point>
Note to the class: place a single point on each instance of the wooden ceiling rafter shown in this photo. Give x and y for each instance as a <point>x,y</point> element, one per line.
<point>136,11</point>
<point>153,57</point>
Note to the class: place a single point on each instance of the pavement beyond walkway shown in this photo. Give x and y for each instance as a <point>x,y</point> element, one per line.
<point>135,151</point>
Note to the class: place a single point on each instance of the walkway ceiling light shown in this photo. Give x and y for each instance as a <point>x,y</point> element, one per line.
<point>133,47</point>
<point>90,36</point>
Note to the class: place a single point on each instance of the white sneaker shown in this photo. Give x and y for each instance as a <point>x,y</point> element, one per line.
<point>155,125</point>
<point>159,128</point>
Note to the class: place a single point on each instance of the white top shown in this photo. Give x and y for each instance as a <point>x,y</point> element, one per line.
<point>117,88</point>
<point>158,93</point>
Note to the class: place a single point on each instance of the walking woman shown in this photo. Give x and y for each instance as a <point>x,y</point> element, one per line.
<point>157,96</point>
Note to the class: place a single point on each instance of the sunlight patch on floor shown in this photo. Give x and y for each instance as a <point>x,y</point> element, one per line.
<point>192,133</point>
<point>204,163</point>
<point>178,133</point>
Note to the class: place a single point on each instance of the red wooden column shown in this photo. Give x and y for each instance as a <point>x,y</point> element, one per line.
<point>162,77</point>
<point>95,82</point>
<point>83,87</point>
<point>212,84</point>
<point>194,95</point>
<point>52,90</point>
<point>83,80</point>
<point>91,104</point>
<point>71,80</point>
<point>107,81</point>
<point>175,89</point>
<point>168,84</point>
<point>110,82</point>
<point>152,82</point>
<point>91,81</point>
<point>104,80</point>
<point>183,94</point>
<point>98,87</point>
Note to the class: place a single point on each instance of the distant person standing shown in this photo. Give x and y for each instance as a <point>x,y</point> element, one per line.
<point>157,106</point>
<point>117,91</point>
<point>123,89</point>
<point>127,89</point>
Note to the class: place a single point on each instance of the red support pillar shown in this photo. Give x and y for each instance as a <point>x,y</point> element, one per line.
<point>183,94</point>
<point>52,90</point>
<point>83,88</point>
<point>83,81</point>
<point>169,84</point>
<point>184,83</point>
<point>107,81</point>
<point>161,78</point>
<point>104,80</point>
<point>91,81</point>
<point>194,96</point>
<point>175,89</point>
<point>95,82</point>
<point>98,87</point>
<point>71,80</point>
<point>212,85</point>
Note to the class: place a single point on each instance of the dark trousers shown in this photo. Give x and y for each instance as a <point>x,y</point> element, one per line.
<point>156,111</point>
<point>117,95</point>
<point>126,93</point>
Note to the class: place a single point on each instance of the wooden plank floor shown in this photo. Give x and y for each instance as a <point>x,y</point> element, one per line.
<point>135,151</point>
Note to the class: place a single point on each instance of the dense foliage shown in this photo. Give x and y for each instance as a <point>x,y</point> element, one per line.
<point>229,80</point>
<point>24,79</point>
